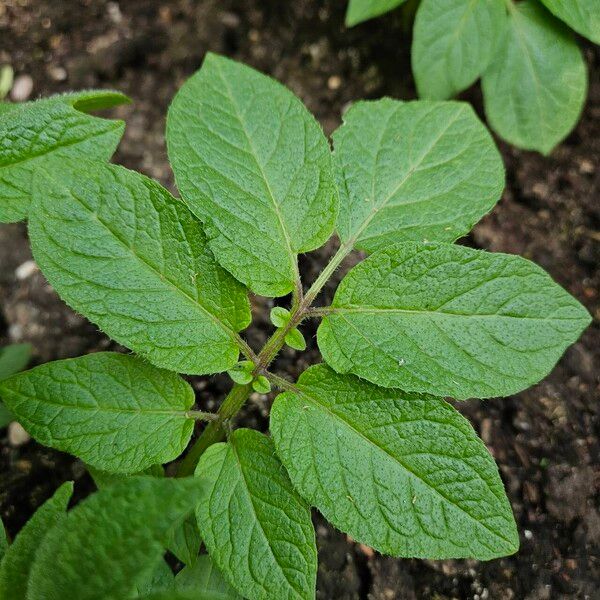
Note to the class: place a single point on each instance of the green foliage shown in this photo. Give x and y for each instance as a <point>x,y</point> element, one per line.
<point>533,75</point>
<point>13,358</point>
<point>403,473</point>
<point>254,166</point>
<point>169,278</point>
<point>535,88</point>
<point>19,557</point>
<point>136,262</point>
<point>129,523</point>
<point>413,171</point>
<point>256,528</point>
<point>36,134</point>
<point>115,412</point>
<point>204,577</point>
<point>450,321</point>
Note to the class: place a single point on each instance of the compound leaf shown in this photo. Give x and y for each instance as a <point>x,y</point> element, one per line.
<point>116,412</point>
<point>413,171</point>
<point>581,15</point>
<point>205,578</point>
<point>34,134</point>
<point>453,42</point>
<point>254,166</point>
<point>450,321</point>
<point>401,472</point>
<point>363,10</point>
<point>18,560</point>
<point>255,527</point>
<point>119,249</point>
<point>129,523</point>
<point>535,87</point>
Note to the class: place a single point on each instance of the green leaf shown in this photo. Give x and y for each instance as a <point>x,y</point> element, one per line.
<point>161,580</point>
<point>403,473</point>
<point>119,249</point>
<point>242,372</point>
<point>280,316</point>
<point>256,528</point>
<point>6,80</point>
<point>205,578</point>
<point>14,358</point>
<point>129,523</point>
<point>38,133</point>
<point>535,87</point>
<point>179,595</point>
<point>295,339</point>
<point>186,542</point>
<point>363,10</point>
<point>261,385</point>
<point>413,171</point>
<point>4,544</point>
<point>5,416</point>
<point>18,560</point>
<point>449,321</point>
<point>103,479</point>
<point>453,43</point>
<point>253,164</point>
<point>115,412</point>
<point>581,15</point>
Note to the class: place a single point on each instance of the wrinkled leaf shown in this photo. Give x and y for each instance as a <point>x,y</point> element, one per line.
<point>535,87</point>
<point>363,10</point>
<point>253,164</point>
<point>450,321</point>
<point>53,129</point>
<point>453,42</point>
<point>119,249</point>
<point>115,412</point>
<point>256,528</point>
<point>130,524</point>
<point>18,560</point>
<point>186,542</point>
<point>413,171</point>
<point>401,472</point>
<point>581,15</point>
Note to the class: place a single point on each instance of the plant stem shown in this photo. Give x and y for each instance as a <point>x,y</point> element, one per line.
<point>215,431</point>
<point>280,382</point>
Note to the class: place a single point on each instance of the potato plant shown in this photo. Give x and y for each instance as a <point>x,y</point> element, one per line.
<point>366,437</point>
<point>533,75</point>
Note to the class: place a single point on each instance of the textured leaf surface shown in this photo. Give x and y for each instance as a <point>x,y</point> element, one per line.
<point>256,528</point>
<point>363,10</point>
<point>253,164</point>
<point>186,541</point>
<point>18,560</point>
<point>115,412</point>
<point>450,321</point>
<point>581,15</point>
<point>130,524</point>
<point>118,248</point>
<point>535,87</point>
<point>401,472</point>
<point>162,579</point>
<point>14,358</point>
<point>35,133</point>
<point>413,171</point>
<point>103,479</point>
<point>453,42</point>
<point>205,578</point>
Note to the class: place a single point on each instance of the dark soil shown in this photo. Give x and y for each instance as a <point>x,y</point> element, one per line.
<point>546,440</point>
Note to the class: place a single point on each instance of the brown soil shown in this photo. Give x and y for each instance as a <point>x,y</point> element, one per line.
<point>545,440</point>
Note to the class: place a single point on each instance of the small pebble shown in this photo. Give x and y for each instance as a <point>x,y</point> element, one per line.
<point>528,534</point>
<point>334,82</point>
<point>17,436</point>
<point>26,270</point>
<point>22,88</point>
<point>57,73</point>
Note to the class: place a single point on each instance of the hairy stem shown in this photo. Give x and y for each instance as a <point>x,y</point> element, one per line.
<point>215,431</point>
